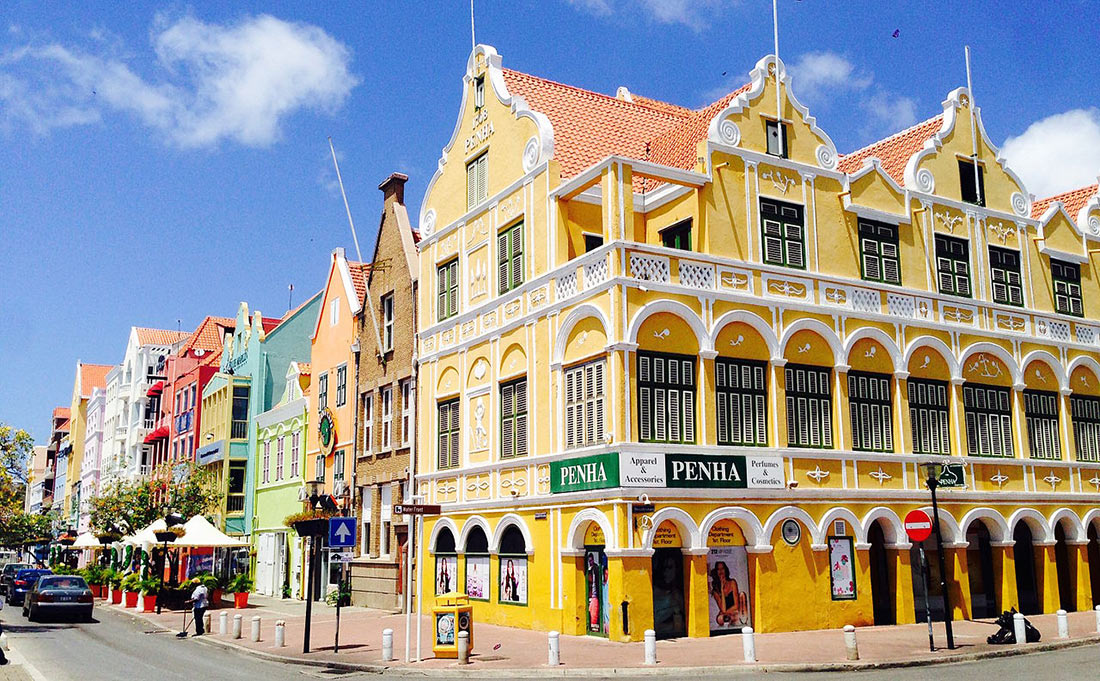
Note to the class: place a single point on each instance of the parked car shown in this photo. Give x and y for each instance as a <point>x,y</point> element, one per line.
<point>7,576</point>
<point>59,595</point>
<point>23,582</point>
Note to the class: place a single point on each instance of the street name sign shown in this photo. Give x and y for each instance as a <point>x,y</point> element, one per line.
<point>342,557</point>
<point>341,532</point>
<point>416,509</point>
<point>917,525</point>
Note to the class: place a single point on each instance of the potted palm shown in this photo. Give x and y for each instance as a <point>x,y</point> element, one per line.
<point>239,586</point>
<point>95,577</point>
<point>149,589</point>
<point>214,587</point>
<point>130,586</point>
<point>115,580</point>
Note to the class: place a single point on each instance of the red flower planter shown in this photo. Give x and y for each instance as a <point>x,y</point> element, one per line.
<point>97,590</point>
<point>240,600</point>
<point>131,598</point>
<point>216,598</point>
<point>116,596</point>
<point>148,602</point>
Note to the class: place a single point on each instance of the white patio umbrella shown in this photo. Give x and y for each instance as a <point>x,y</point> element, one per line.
<point>198,532</point>
<point>86,541</point>
<point>147,535</point>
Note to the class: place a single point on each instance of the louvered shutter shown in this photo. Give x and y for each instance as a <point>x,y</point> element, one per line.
<point>453,284</point>
<point>521,418</point>
<point>589,404</point>
<point>570,408</point>
<point>503,263</point>
<point>471,185</point>
<point>507,421</point>
<point>599,402</point>
<point>517,255</point>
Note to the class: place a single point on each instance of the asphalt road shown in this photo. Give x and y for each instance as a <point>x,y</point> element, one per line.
<point>117,646</point>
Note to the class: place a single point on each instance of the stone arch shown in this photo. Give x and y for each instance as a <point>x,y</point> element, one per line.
<point>683,521</point>
<point>749,319</point>
<point>1093,516</point>
<point>1052,363</point>
<point>837,513</point>
<point>745,519</point>
<point>1086,362</point>
<point>998,352</point>
<point>678,309</point>
<point>1040,528</point>
<point>570,320</point>
<point>949,527</point>
<point>799,514</point>
<point>879,336</point>
<point>940,349</point>
<point>1078,531</point>
<point>579,524</point>
<point>468,526</point>
<point>507,521</point>
<point>818,327</point>
<point>449,383</point>
<point>892,529</point>
<point>994,521</point>
<point>441,524</point>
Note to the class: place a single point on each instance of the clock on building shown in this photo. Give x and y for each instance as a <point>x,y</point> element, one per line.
<point>326,431</point>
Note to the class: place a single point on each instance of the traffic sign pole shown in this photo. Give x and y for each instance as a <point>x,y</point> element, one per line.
<point>927,600</point>
<point>932,484</point>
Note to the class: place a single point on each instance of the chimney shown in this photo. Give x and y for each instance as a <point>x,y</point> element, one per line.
<point>393,188</point>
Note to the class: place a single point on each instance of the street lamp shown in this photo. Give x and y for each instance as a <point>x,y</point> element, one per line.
<point>932,474</point>
<point>315,490</point>
<point>171,520</point>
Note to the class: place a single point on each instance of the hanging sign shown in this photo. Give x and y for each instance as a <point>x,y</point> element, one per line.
<point>598,471</point>
<point>952,475</point>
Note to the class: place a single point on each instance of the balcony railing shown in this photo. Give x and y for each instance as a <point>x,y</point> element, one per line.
<point>234,503</point>
<point>238,430</point>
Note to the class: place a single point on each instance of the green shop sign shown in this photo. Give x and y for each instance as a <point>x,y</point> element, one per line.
<point>598,471</point>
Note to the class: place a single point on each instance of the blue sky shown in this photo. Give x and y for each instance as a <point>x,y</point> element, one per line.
<point>158,164</point>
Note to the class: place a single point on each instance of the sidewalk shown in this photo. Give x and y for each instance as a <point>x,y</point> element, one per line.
<point>504,648</point>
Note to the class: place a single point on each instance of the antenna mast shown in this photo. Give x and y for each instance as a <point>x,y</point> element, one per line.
<point>973,131</point>
<point>366,287</point>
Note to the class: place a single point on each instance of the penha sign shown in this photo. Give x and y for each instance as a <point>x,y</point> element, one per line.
<point>671,470</point>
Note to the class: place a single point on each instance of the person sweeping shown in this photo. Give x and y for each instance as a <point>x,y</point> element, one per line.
<point>199,602</point>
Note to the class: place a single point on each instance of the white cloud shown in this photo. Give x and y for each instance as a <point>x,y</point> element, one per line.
<point>816,75</point>
<point>216,82</point>
<point>891,112</point>
<point>1058,153</point>
<point>598,7</point>
<point>694,14</point>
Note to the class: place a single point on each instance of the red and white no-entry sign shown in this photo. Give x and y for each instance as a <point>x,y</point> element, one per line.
<point>918,525</point>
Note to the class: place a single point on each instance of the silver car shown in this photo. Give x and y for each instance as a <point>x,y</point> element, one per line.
<point>59,595</point>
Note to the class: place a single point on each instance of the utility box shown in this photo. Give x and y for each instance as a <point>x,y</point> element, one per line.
<point>452,613</point>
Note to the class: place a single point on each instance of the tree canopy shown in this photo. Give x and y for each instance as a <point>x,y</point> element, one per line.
<point>124,507</point>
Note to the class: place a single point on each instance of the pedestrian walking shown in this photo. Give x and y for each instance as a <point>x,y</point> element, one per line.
<point>200,602</point>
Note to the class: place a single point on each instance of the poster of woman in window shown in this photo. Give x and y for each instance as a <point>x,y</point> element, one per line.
<point>477,577</point>
<point>841,572</point>
<point>595,579</point>
<point>444,574</point>
<point>728,587</point>
<point>513,580</point>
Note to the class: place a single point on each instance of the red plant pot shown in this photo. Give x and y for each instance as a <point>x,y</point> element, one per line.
<point>216,598</point>
<point>97,590</point>
<point>116,596</point>
<point>131,598</point>
<point>240,600</point>
<point>148,602</point>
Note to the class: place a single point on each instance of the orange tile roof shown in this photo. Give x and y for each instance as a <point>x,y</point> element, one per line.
<point>270,323</point>
<point>209,334</point>
<point>589,126</point>
<point>1073,201</point>
<point>894,151</point>
<point>678,147</point>
<point>93,376</point>
<point>658,105</point>
<point>63,427</point>
<point>214,359</point>
<point>61,413</point>
<point>159,336</point>
<point>359,272</point>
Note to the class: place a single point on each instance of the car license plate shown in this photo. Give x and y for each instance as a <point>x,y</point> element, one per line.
<point>64,599</point>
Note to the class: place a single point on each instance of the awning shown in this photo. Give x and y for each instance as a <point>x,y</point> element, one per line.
<point>199,532</point>
<point>158,434</point>
<point>86,541</point>
<point>156,389</point>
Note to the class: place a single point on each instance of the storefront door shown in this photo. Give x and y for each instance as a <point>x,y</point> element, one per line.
<point>882,592</point>
<point>1065,563</point>
<point>979,561</point>
<point>669,612</point>
<point>1026,585</point>
<point>597,607</point>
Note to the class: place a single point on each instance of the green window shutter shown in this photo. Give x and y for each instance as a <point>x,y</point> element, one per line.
<point>503,263</point>
<point>517,255</point>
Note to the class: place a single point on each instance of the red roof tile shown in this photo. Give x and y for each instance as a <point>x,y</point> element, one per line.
<point>678,147</point>
<point>159,336</point>
<point>209,334</point>
<point>1073,201</point>
<point>61,412</point>
<point>589,126</point>
<point>93,376</point>
<point>359,272</point>
<point>894,151</point>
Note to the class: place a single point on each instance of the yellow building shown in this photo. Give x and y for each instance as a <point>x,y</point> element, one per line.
<point>679,367</point>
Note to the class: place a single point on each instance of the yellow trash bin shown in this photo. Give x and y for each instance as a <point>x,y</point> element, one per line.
<point>452,613</point>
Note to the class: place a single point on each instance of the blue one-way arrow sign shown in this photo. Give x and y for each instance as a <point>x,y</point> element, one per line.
<point>341,532</point>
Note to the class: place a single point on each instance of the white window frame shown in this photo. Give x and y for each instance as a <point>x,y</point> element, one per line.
<point>387,322</point>
<point>341,385</point>
<point>368,423</point>
<point>385,516</point>
<point>267,462</point>
<point>334,312</point>
<point>406,412</point>
<point>387,417</point>
<point>280,456</point>
<point>368,514</point>
<point>295,440</point>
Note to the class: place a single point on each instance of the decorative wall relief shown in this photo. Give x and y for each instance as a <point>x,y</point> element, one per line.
<point>949,221</point>
<point>781,181</point>
<point>510,207</point>
<point>479,276</point>
<point>479,426</point>
<point>985,367</point>
<point>538,298</point>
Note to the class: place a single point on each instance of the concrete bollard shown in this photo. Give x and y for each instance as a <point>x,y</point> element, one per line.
<point>1019,629</point>
<point>280,634</point>
<point>236,626</point>
<point>387,645</point>
<point>223,623</point>
<point>255,637</point>
<point>748,643</point>
<point>4,642</point>
<point>1098,619</point>
<point>1063,624</point>
<point>650,646</point>
<point>553,643</point>
<point>463,641</point>
<point>851,648</point>
<point>206,620</point>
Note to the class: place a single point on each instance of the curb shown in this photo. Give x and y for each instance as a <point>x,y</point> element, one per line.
<point>546,672</point>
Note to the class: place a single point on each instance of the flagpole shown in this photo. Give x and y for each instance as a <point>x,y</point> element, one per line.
<point>473,40</point>
<point>775,34</point>
<point>973,130</point>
